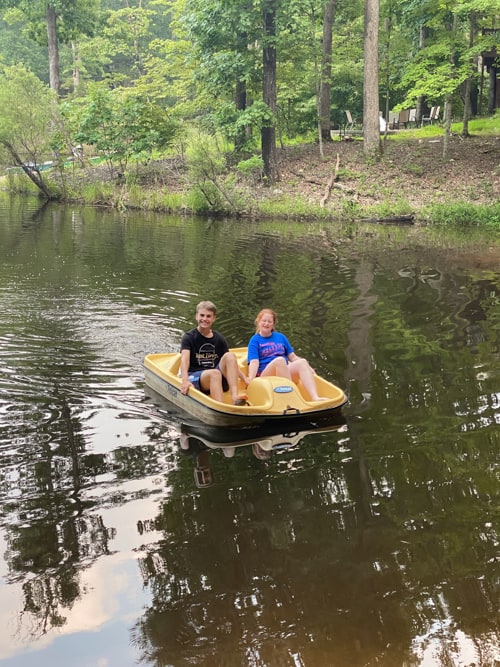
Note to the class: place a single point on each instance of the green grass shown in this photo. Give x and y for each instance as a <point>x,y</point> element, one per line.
<point>293,208</point>
<point>484,125</point>
<point>98,193</point>
<point>463,215</point>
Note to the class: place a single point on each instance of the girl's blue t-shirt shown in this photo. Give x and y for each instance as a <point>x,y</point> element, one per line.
<point>267,348</point>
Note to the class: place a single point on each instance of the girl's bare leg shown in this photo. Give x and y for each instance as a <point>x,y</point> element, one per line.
<point>277,367</point>
<point>300,370</point>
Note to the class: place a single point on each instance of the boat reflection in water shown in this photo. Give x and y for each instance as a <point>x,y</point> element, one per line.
<point>200,441</point>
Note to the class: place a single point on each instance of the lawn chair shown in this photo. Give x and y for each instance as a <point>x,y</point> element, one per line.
<point>412,118</point>
<point>404,117</point>
<point>433,115</point>
<point>382,123</point>
<point>393,120</point>
<point>351,122</point>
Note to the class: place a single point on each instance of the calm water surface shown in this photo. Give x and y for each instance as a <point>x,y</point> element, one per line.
<point>126,540</point>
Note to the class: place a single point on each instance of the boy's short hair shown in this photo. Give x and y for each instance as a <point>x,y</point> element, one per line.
<point>206,305</point>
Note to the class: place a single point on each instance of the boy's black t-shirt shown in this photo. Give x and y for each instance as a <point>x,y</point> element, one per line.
<point>205,353</point>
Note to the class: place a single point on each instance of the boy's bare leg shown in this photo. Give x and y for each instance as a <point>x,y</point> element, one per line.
<point>211,381</point>
<point>229,367</point>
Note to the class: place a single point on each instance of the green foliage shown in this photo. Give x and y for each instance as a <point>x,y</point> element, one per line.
<point>253,166</point>
<point>28,116</point>
<point>347,68</point>
<point>121,127</point>
<point>125,41</point>
<point>98,194</point>
<point>291,208</point>
<point>75,18</point>
<point>155,200</point>
<point>247,122</point>
<point>463,215</point>
<point>19,184</point>
<point>206,159</point>
<point>201,60</point>
<point>205,198</point>
<point>17,47</point>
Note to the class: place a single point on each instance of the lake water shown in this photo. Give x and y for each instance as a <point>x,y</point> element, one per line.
<point>128,541</point>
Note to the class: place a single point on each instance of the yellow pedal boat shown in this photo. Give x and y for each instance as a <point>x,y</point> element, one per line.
<point>270,399</point>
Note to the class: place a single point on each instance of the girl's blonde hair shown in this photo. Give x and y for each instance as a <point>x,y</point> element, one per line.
<point>266,311</point>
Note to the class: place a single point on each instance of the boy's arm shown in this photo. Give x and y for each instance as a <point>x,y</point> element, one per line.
<point>185,358</point>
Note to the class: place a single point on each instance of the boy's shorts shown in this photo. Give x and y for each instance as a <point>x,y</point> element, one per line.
<point>195,376</point>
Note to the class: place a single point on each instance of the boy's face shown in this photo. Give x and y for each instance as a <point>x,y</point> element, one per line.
<point>205,318</point>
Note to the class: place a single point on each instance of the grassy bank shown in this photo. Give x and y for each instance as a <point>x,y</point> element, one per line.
<point>411,182</point>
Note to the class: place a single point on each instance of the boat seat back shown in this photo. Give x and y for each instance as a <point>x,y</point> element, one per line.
<point>175,364</point>
<point>280,393</point>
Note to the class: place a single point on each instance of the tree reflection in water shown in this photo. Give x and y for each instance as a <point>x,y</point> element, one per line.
<point>323,569</point>
<point>374,543</point>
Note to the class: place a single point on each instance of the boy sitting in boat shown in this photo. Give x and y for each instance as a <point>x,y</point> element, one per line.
<point>206,362</point>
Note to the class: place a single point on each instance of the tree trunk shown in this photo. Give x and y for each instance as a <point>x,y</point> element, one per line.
<point>467,113</point>
<point>240,99</point>
<point>31,173</point>
<point>492,89</point>
<point>241,105</point>
<point>53,48</point>
<point>76,67</point>
<point>268,132</point>
<point>420,99</point>
<point>387,70</point>
<point>468,82</point>
<point>325,84</point>
<point>448,103</point>
<point>371,122</point>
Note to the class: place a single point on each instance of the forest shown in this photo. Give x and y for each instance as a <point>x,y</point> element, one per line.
<point>224,84</point>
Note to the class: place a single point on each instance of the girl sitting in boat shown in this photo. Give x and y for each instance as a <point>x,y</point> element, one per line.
<point>270,353</point>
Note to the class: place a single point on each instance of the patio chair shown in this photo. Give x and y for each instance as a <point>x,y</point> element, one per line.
<point>382,123</point>
<point>412,118</point>
<point>351,122</point>
<point>433,115</point>
<point>393,120</point>
<point>404,117</point>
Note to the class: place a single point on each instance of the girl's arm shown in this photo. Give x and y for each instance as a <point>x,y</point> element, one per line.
<point>253,367</point>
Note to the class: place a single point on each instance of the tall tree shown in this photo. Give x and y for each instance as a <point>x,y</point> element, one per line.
<point>325,85</point>
<point>27,123</point>
<point>268,132</point>
<point>53,46</point>
<point>222,55</point>
<point>62,20</point>
<point>371,122</point>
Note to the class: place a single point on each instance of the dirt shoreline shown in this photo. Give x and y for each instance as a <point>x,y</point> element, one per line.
<point>412,171</point>
<point>410,176</point>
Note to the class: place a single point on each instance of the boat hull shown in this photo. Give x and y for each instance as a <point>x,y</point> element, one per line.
<point>268,436</point>
<point>270,399</point>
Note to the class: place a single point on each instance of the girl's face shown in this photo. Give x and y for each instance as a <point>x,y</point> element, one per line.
<point>266,324</point>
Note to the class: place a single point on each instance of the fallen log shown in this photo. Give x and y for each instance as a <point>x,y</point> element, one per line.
<point>392,219</point>
<point>334,177</point>
<point>344,188</point>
